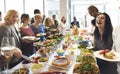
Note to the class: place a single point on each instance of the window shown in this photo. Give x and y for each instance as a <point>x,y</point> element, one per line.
<point>80,10</point>
<point>52,7</point>
<point>30,5</point>
<point>15,4</point>
<point>2,7</point>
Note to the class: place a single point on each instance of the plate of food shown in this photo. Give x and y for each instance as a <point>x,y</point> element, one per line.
<point>61,62</point>
<point>52,72</point>
<point>53,29</point>
<point>47,27</point>
<point>85,58</point>
<point>36,68</point>
<point>21,71</point>
<point>107,55</point>
<point>41,34</point>
<point>86,68</point>
<point>43,60</point>
<point>32,38</point>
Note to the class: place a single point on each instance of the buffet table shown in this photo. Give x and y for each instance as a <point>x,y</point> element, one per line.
<point>48,66</point>
<point>75,48</point>
<point>72,49</point>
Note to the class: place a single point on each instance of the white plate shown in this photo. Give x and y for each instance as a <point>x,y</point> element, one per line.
<point>47,27</point>
<point>100,56</point>
<point>41,34</point>
<point>53,29</point>
<point>29,37</point>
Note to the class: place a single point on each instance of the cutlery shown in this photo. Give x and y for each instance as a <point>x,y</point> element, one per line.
<point>27,58</point>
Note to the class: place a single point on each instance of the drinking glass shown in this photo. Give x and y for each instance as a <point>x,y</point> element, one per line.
<point>7,49</point>
<point>35,48</point>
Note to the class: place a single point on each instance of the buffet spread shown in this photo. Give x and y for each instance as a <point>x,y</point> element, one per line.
<point>68,54</point>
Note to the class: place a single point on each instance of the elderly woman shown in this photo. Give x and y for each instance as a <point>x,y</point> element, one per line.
<point>7,29</point>
<point>102,41</point>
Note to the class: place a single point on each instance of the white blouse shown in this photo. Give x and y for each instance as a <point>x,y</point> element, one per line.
<point>62,28</point>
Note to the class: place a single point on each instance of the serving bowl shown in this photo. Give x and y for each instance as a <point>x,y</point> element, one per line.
<point>60,52</point>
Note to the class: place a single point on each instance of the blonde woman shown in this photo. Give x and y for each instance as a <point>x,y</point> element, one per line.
<point>7,29</point>
<point>51,27</point>
<point>37,26</point>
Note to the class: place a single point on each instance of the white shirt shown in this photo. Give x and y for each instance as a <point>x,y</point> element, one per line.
<point>116,43</point>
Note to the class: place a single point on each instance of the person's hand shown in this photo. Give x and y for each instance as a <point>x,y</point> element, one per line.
<point>18,52</point>
<point>48,33</point>
<point>57,30</point>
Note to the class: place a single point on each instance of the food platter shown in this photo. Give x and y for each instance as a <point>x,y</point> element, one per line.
<point>61,62</point>
<point>82,69</point>
<point>100,56</point>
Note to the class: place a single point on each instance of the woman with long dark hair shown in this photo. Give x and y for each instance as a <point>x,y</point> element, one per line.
<point>102,41</point>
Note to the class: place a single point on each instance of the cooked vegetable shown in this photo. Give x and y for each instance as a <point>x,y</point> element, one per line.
<point>109,55</point>
<point>82,46</point>
<point>21,71</point>
<point>43,59</point>
<point>84,59</point>
<point>86,68</point>
<point>85,51</point>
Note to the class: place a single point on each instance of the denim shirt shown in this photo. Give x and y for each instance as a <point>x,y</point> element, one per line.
<point>40,29</point>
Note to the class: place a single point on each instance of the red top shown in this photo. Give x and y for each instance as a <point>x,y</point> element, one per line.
<point>26,32</point>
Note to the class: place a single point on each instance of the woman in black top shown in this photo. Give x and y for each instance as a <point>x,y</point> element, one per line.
<point>102,41</point>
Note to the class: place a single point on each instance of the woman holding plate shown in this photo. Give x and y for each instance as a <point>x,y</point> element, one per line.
<point>102,41</point>
<point>38,27</point>
<point>25,30</point>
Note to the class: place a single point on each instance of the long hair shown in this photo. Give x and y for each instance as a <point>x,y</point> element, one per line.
<point>108,29</point>
<point>48,21</point>
<point>63,19</point>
